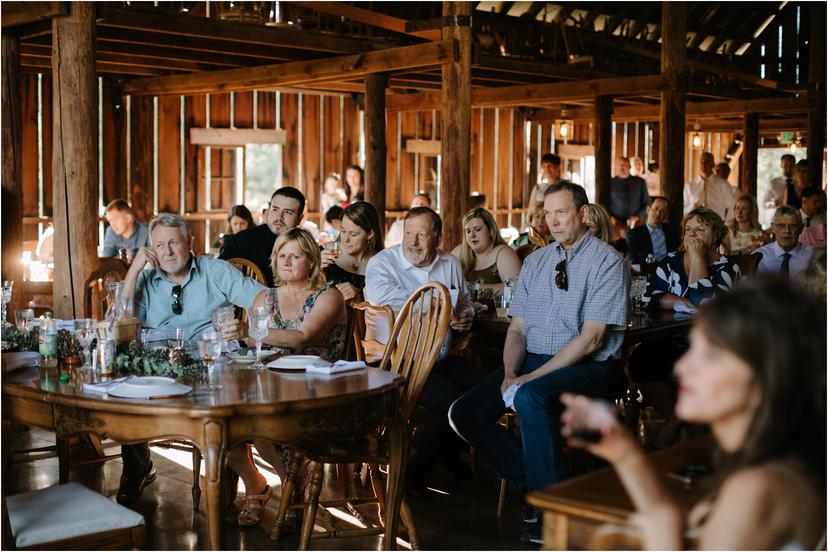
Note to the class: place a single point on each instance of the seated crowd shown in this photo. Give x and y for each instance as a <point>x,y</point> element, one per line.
<point>753,344</point>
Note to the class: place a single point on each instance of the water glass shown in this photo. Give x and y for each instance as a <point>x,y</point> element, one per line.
<point>257,321</point>
<point>209,349</point>
<point>24,320</point>
<point>335,247</point>
<point>177,339</point>
<point>638,287</point>
<point>146,333</point>
<point>221,316</point>
<point>7,297</point>
<point>85,333</point>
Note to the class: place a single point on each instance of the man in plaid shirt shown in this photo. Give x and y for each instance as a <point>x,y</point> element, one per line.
<point>569,313</point>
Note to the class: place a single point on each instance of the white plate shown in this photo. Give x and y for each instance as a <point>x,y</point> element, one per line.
<point>297,362</point>
<point>149,387</point>
<point>250,356</point>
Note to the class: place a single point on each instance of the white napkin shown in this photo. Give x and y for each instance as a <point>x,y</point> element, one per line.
<point>509,395</point>
<point>104,386</point>
<point>681,306</point>
<point>13,361</point>
<point>336,367</point>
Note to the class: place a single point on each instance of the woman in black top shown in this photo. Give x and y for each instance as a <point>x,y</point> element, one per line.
<point>360,239</point>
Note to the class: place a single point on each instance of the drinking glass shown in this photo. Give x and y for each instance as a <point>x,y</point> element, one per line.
<point>335,247</point>
<point>638,287</point>
<point>7,296</point>
<point>209,349</point>
<point>145,337</point>
<point>24,320</point>
<point>85,334</point>
<point>222,315</point>
<point>257,320</point>
<point>177,339</point>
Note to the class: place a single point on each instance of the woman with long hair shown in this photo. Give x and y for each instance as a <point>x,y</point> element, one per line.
<point>484,256</point>
<point>537,232</point>
<point>755,374</point>
<point>744,233</point>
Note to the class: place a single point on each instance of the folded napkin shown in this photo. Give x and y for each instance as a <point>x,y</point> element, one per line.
<point>104,386</point>
<point>336,367</point>
<point>509,395</point>
<point>681,306</point>
<point>13,361</point>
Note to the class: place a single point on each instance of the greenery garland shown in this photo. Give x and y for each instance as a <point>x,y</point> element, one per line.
<point>15,340</point>
<point>132,358</point>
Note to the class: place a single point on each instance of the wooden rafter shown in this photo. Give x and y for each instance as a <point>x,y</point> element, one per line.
<point>368,17</point>
<point>21,13</point>
<point>297,72</point>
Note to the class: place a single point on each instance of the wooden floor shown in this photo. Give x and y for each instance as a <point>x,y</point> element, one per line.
<point>460,514</point>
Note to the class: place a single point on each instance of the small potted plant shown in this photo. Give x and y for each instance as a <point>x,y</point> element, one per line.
<point>69,350</point>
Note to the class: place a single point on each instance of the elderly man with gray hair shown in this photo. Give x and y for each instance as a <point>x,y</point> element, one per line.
<point>785,255</point>
<point>178,290</point>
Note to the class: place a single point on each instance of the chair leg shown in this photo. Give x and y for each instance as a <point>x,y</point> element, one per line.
<point>408,521</point>
<point>314,489</point>
<point>473,463</point>
<point>63,448</point>
<point>196,477</point>
<point>501,499</point>
<point>288,486</point>
<point>379,490</point>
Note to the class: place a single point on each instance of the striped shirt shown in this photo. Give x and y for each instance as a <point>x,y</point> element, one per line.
<point>598,291</point>
<point>211,283</point>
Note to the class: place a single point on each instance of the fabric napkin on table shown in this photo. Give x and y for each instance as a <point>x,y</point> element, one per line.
<point>103,387</point>
<point>336,367</point>
<point>681,306</point>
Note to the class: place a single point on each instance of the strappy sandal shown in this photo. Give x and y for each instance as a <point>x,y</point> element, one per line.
<point>253,507</point>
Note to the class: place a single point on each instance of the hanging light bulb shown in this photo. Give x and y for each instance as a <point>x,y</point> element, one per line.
<point>565,129</point>
<point>564,125</point>
<point>697,141</point>
<point>793,147</point>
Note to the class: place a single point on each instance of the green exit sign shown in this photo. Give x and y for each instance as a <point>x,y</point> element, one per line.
<point>787,136</point>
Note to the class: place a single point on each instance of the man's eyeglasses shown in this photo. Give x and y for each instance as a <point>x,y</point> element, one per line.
<point>560,276</point>
<point>177,307</point>
<point>789,227</point>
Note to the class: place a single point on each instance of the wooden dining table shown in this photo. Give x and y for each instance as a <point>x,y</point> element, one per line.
<point>290,408</point>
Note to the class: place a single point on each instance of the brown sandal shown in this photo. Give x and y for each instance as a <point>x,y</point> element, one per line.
<point>253,507</point>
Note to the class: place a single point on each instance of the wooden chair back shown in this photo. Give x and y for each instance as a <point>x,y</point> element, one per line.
<point>95,297</point>
<point>415,341</point>
<point>747,263</point>
<point>525,250</point>
<point>359,330</point>
<point>248,268</point>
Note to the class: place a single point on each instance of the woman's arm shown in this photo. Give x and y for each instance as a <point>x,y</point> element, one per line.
<point>328,311</point>
<point>508,263</point>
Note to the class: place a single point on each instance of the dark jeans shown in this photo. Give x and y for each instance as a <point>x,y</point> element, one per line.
<point>538,461</point>
<point>136,459</point>
<point>433,437</point>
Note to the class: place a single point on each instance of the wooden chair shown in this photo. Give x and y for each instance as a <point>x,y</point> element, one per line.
<point>412,349</point>
<point>248,268</point>
<point>69,517</point>
<point>94,297</point>
<point>747,263</point>
<point>525,250</point>
<point>360,342</point>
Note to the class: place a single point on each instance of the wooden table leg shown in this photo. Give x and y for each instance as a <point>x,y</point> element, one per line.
<point>555,531</point>
<point>398,443</point>
<point>214,441</point>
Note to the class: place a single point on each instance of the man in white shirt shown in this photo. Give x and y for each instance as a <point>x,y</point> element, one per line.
<point>390,278</point>
<point>709,190</point>
<point>775,193</point>
<point>395,233</point>
<point>785,256</point>
<point>550,174</point>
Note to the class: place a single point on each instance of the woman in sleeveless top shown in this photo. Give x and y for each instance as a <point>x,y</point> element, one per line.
<point>744,233</point>
<point>754,373</point>
<point>306,317</point>
<point>486,259</point>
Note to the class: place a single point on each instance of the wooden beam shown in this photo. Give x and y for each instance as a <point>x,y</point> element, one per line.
<point>426,147</point>
<point>236,136</point>
<point>298,72</point>
<point>74,157</point>
<point>527,67</point>
<point>421,101</point>
<point>602,139</point>
<point>816,77</point>
<point>376,150</point>
<point>531,94</point>
<point>456,127</point>
<point>750,155</point>
<point>21,13</point>
<point>573,151</point>
<point>12,186</point>
<point>368,17</point>
<point>672,108</point>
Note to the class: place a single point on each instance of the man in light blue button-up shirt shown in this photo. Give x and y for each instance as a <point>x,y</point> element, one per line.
<point>178,290</point>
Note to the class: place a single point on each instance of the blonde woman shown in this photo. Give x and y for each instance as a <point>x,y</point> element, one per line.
<point>600,223</point>
<point>744,234</point>
<point>484,256</point>
<point>306,317</point>
<point>537,232</point>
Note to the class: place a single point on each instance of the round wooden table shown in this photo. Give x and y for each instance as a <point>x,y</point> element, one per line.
<point>288,408</point>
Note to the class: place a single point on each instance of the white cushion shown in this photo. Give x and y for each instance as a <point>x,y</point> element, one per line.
<point>63,512</point>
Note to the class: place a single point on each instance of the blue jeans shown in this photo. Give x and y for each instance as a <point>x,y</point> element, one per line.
<point>538,461</point>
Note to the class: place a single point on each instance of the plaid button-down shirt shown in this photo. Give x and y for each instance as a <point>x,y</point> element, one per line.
<point>598,291</point>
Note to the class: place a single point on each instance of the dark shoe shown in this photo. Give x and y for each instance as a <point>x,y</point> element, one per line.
<point>532,535</point>
<point>529,514</point>
<point>131,487</point>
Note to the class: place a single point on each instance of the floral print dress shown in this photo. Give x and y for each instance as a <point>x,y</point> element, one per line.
<point>670,277</point>
<point>329,347</point>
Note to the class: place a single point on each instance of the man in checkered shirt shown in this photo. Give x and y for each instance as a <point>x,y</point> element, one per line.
<point>569,313</point>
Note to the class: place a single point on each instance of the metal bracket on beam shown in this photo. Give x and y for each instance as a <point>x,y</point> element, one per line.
<point>438,23</point>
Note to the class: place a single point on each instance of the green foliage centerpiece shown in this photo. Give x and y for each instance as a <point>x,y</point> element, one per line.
<point>132,358</point>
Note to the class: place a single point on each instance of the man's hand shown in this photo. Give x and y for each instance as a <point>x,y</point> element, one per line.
<point>461,323</point>
<point>144,257</point>
<point>508,379</point>
<point>233,329</point>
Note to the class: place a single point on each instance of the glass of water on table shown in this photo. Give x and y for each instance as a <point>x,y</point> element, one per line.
<point>221,316</point>
<point>209,349</point>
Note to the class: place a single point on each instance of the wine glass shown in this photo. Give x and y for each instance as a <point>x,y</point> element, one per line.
<point>209,349</point>
<point>7,296</point>
<point>335,247</point>
<point>221,316</point>
<point>257,320</point>
<point>24,320</point>
<point>85,333</point>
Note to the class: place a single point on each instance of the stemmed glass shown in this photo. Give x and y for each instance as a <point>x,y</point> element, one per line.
<point>24,320</point>
<point>209,348</point>
<point>85,333</point>
<point>221,316</point>
<point>257,320</point>
<point>7,296</point>
<point>335,247</point>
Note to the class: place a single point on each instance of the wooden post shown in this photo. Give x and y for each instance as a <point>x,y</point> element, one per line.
<point>74,156</point>
<point>672,107</point>
<point>750,154</point>
<point>456,124</point>
<point>532,176</point>
<point>816,76</point>
<point>602,139</point>
<point>12,191</point>
<point>376,149</point>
